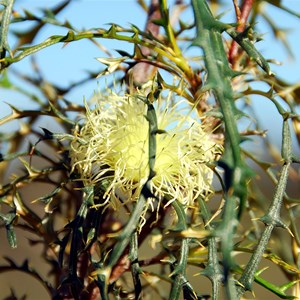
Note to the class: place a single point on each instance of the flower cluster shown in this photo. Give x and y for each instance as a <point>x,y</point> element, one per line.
<point>112,145</point>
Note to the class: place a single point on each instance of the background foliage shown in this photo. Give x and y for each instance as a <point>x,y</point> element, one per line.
<point>235,234</point>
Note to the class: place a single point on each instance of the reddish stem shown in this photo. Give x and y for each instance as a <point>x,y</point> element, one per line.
<point>142,72</point>
<point>242,17</point>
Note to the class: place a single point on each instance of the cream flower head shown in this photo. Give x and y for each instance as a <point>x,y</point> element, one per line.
<point>112,146</point>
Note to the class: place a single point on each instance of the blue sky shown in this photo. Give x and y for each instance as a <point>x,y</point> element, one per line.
<point>91,13</point>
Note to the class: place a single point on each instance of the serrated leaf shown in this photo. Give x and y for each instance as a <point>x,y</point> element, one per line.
<point>111,32</point>
<point>278,261</point>
<point>58,113</point>
<point>49,196</point>
<point>8,220</point>
<point>28,14</point>
<point>242,39</point>
<point>47,199</point>
<point>31,171</point>
<point>123,53</point>
<point>159,22</point>
<point>112,63</point>
<point>12,156</point>
<point>11,236</point>
<point>48,135</point>
<point>90,235</point>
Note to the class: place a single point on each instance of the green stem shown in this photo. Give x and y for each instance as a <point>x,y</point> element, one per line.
<point>179,273</point>
<point>272,217</point>
<point>168,28</point>
<point>131,226</point>
<point>111,33</point>
<point>134,265</point>
<point>212,270</point>
<point>219,77</point>
<point>5,21</point>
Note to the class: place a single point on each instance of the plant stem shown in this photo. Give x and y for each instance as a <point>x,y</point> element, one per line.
<point>272,217</point>
<point>237,174</point>
<point>212,270</point>
<point>5,21</point>
<point>179,273</point>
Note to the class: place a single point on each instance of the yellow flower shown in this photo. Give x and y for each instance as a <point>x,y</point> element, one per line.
<point>112,146</point>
